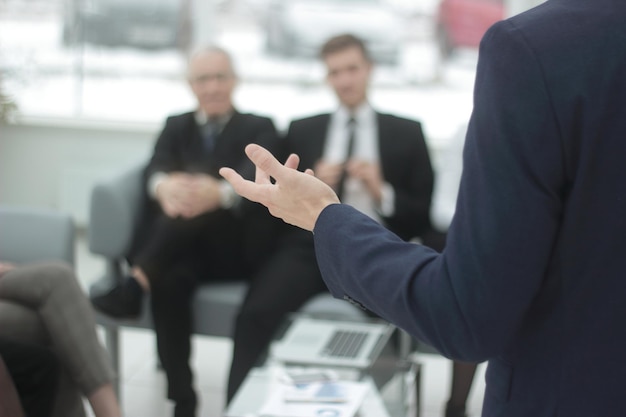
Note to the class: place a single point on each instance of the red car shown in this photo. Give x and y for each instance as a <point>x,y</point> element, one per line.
<point>462,23</point>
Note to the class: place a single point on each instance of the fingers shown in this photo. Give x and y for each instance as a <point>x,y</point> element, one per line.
<point>244,188</point>
<point>293,161</point>
<point>267,167</point>
<point>261,177</point>
<point>265,161</point>
<point>231,176</point>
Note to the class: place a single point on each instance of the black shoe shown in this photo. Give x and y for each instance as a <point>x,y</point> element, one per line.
<point>185,408</point>
<point>452,411</point>
<point>122,301</point>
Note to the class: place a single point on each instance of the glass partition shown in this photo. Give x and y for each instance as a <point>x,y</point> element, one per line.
<point>120,60</point>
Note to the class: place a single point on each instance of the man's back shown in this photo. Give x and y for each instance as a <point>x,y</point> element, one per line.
<point>570,341</point>
<point>532,277</point>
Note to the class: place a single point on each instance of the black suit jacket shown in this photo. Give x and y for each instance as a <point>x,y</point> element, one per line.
<point>404,159</point>
<point>179,147</point>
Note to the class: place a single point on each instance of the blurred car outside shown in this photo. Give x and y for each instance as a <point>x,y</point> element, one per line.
<point>462,23</point>
<point>153,24</point>
<point>300,27</point>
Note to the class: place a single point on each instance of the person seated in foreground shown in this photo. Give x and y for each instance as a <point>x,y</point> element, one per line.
<point>32,376</point>
<point>42,304</point>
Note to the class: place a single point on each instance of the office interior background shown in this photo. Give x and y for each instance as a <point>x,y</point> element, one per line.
<point>87,84</point>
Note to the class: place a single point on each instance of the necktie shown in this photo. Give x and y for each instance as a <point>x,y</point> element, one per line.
<point>349,151</point>
<point>209,133</point>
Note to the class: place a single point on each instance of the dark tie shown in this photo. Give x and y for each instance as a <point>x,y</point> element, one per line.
<point>349,151</point>
<point>209,132</point>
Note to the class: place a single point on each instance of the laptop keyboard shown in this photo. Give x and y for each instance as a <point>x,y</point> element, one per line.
<point>345,344</point>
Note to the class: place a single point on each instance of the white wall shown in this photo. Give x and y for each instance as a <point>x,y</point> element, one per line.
<point>514,7</point>
<point>54,163</point>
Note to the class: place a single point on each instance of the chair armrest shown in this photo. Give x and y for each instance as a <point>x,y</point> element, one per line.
<point>30,234</point>
<point>113,213</point>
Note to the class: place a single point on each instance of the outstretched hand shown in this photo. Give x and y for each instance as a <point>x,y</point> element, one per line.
<point>296,197</point>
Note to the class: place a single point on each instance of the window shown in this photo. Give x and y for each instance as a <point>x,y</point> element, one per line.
<point>120,60</point>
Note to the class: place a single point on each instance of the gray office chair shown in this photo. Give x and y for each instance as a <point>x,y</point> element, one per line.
<point>30,234</point>
<point>114,212</point>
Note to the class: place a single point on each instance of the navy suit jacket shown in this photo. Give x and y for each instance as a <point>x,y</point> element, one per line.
<point>533,277</point>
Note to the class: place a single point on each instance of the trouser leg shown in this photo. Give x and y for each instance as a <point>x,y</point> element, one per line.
<point>171,311</point>
<point>286,282</point>
<point>181,253</point>
<point>52,290</point>
<point>173,240</point>
<point>35,373</point>
<point>462,378</point>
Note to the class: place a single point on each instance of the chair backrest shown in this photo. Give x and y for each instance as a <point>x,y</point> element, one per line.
<point>30,234</point>
<point>114,211</point>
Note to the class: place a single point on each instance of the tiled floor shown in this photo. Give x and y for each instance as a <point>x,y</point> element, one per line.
<point>143,386</point>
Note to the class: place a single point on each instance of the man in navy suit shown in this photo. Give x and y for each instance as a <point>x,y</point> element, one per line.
<point>532,278</point>
<point>194,227</point>
<point>381,164</point>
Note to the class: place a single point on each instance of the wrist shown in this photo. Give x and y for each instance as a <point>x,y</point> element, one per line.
<point>228,196</point>
<point>155,182</point>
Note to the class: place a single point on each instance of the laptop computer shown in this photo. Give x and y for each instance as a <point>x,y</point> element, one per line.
<point>323,342</point>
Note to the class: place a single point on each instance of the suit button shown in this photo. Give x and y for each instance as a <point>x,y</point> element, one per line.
<point>353,302</point>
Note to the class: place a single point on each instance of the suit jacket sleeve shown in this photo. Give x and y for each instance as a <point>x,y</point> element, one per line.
<point>166,155</point>
<point>471,300</point>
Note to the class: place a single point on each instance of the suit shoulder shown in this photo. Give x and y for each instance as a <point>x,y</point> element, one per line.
<point>179,119</point>
<point>181,116</point>
<point>256,119</point>
<point>398,121</point>
<point>310,120</point>
<point>174,124</point>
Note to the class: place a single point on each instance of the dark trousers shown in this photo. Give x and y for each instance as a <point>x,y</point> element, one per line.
<point>289,278</point>
<point>178,254</point>
<point>35,374</point>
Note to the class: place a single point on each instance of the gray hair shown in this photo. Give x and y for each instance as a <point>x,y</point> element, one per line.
<point>208,50</point>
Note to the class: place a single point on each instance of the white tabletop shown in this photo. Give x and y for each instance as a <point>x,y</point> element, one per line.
<point>260,382</point>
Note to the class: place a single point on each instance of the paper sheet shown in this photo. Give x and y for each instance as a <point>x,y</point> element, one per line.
<point>353,394</point>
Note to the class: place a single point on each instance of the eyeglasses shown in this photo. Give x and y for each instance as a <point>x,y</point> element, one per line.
<point>220,77</point>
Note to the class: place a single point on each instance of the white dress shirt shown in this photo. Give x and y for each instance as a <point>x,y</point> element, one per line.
<point>366,148</point>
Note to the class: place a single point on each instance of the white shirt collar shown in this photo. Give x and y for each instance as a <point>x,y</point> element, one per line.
<point>363,114</point>
<point>201,118</point>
